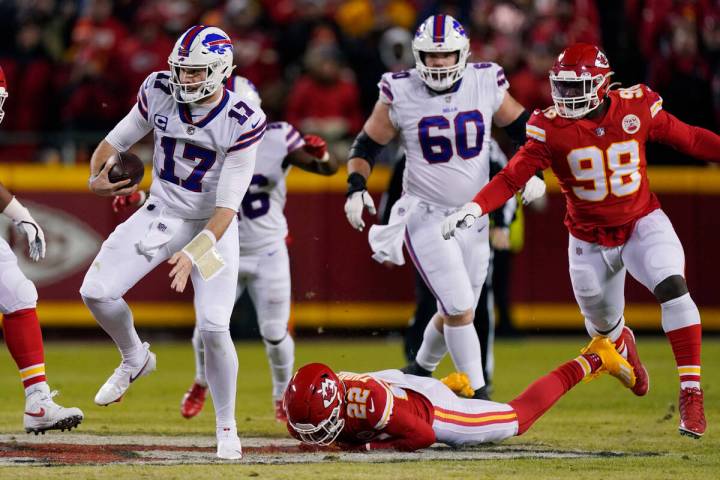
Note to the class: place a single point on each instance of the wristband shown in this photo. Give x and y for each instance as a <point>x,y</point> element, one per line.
<point>356,183</point>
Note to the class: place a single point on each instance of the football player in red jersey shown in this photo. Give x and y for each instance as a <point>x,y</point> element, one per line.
<point>21,328</point>
<point>393,410</point>
<point>594,140</point>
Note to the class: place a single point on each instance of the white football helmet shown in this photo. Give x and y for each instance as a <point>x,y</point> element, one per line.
<point>200,47</point>
<point>245,88</point>
<point>440,33</point>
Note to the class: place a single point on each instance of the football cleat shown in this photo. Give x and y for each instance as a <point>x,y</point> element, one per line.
<point>43,414</point>
<point>692,412</point>
<point>280,414</point>
<point>642,382</point>
<point>118,383</point>
<point>612,362</point>
<point>413,368</point>
<point>229,447</point>
<point>193,400</point>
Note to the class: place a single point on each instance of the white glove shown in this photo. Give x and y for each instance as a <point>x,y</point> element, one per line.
<point>534,189</point>
<point>24,221</point>
<point>354,205</point>
<point>463,218</point>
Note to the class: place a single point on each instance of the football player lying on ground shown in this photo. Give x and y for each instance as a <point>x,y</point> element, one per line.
<point>393,410</point>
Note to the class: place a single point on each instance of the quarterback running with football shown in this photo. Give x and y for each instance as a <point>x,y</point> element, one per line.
<point>264,261</point>
<point>393,410</point>
<point>21,328</point>
<point>442,110</point>
<point>594,140</point>
<point>206,139</point>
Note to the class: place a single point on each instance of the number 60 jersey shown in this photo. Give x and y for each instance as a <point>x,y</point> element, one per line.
<point>191,144</point>
<point>446,136</point>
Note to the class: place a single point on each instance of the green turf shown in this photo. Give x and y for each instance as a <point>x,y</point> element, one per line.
<point>598,416</point>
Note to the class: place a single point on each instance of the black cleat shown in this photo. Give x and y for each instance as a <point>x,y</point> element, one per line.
<point>481,393</point>
<point>414,369</point>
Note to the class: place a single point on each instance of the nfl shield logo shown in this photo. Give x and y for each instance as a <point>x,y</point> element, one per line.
<point>190,130</point>
<point>600,131</point>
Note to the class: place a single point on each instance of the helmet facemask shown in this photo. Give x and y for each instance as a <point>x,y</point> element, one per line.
<point>440,78</point>
<point>196,91</point>
<point>574,96</point>
<point>325,432</point>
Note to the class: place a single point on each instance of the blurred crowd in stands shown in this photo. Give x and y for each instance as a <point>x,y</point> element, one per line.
<point>74,66</point>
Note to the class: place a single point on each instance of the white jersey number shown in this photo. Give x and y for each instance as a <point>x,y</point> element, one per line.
<point>588,165</point>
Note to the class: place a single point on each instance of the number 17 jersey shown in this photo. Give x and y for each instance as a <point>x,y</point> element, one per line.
<point>446,136</point>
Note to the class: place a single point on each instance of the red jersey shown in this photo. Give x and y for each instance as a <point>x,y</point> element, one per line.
<point>600,163</point>
<point>381,416</point>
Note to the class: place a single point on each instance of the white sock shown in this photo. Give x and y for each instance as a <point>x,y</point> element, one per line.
<point>199,351</point>
<point>612,334</point>
<point>115,317</point>
<point>37,387</point>
<point>433,348</point>
<point>464,346</point>
<point>281,357</point>
<point>221,368</point>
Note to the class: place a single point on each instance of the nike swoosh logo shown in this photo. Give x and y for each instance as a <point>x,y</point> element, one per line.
<point>41,413</point>
<point>372,406</point>
<point>132,379</point>
<point>255,124</point>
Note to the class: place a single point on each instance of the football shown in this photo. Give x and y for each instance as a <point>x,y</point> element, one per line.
<point>126,165</point>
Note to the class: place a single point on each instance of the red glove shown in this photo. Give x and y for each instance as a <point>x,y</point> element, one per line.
<point>123,202</point>
<point>316,146</point>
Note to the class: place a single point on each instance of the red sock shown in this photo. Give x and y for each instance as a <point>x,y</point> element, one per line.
<point>545,391</point>
<point>686,344</point>
<point>24,340</point>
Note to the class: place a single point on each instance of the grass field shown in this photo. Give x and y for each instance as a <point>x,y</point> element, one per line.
<point>595,417</point>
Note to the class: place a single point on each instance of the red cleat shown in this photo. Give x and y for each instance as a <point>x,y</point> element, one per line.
<point>193,401</point>
<point>280,414</point>
<point>642,382</point>
<point>692,412</point>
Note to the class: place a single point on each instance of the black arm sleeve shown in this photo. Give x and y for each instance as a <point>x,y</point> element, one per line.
<point>365,148</point>
<point>516,129</point>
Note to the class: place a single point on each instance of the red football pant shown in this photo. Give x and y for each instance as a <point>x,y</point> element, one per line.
<point>24,341</point>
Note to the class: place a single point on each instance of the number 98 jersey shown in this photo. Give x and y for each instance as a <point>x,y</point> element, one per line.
<point>446,136</point>
<point>191,144</point>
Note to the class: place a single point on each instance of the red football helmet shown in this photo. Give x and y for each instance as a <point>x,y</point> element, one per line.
<point>579,80</point>
<point>314,402</point>
<point>3,93</point>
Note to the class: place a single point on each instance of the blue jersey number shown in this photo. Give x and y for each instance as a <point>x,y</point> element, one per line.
<point>439,148</point>
<point>191,152</point>
<point>256,204</point>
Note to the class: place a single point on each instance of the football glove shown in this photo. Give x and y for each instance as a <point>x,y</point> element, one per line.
<point>317,147</point>
<point>463,218</point>
<point>355,204</point>
<point>534,189</point>
<point>24,221</point>
<point>122,202</point>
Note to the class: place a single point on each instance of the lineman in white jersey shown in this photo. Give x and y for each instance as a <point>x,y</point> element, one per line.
<point>264,262</point>
<point>205,144</point>
<point>442,110</point>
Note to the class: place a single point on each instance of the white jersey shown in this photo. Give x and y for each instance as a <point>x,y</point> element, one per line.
<point>190,147</point>
<point>446,137</point>
<point>262,221</point>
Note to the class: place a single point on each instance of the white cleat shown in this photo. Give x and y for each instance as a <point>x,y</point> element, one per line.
<point>229,447</point>
<point>118,383</point>
<point>43,414</point>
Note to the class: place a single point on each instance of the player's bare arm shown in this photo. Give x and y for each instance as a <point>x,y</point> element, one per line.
<point>377,132</point>
<point>100,167</point>
<point>313,157</point>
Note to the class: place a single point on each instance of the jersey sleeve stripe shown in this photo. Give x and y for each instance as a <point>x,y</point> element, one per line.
<point>535,132</point>
<point>248,142</point>
<point>142,108</point>
<point>291,133</point>
<point>389,404</point>
<point>387,92</point>
<point>296,144</point>
<point>251,133</point>
<point>655,108</point>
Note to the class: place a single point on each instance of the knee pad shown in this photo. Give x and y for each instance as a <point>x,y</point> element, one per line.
<point>600,313</point>
<point>92,290</point>
<point>213,318</point>
<point>273,331</point>
<point>18,292</point>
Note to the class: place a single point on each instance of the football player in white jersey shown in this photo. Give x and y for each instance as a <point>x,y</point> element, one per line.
<point>206,140</point>
<point>442,111</point>
<point>264,262</point>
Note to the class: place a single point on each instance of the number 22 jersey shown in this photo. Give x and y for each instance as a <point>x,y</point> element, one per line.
<point>446,136</point>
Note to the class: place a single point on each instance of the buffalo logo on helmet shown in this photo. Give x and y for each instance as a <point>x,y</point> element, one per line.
<point>459,28</point>
<point>216,43</point>
<point>328,391</point>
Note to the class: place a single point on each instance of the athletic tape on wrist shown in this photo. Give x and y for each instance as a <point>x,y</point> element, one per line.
<point>204,255</point>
